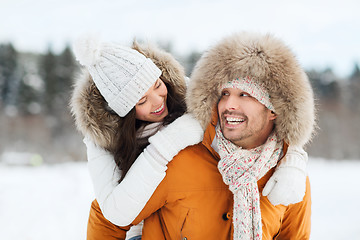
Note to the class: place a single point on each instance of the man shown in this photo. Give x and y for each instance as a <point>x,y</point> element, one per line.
<point>254,100</point>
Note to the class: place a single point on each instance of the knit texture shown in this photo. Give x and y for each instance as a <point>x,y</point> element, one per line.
<point>122,75</point>
<point>252,87</point>
<point>183,132</point>
<point>241,169</point>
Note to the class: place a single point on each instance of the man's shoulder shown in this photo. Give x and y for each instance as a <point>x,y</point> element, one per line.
<point>194,152</point>
<point>195,163</point>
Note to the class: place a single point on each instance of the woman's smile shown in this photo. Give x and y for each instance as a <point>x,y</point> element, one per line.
<point>159,110</point>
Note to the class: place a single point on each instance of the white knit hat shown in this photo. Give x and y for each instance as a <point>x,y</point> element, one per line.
<point>122,75</point>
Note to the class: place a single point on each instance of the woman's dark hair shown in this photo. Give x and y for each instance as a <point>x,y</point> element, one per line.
<point>129,145</point>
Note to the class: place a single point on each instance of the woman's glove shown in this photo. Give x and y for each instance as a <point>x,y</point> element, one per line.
<point>183,132</point>
<point>288,183</point>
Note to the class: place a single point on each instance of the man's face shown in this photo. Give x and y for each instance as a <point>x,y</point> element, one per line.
<point>243,119</point>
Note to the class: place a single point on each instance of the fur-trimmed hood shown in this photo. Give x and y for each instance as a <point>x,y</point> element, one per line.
<point>94,119</point>
<point>266,59</point>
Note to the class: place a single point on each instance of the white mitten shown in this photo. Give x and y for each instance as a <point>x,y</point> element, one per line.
<point>183,132</point>
<point>288,183</point>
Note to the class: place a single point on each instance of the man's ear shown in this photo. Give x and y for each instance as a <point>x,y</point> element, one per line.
<point>273,115</point>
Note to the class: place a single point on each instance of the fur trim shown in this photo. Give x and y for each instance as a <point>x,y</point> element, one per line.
<point>92,116</point>
<point>271,62</point>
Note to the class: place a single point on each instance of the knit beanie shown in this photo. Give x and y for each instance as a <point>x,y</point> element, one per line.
<point>252,87</point>
<point>122,75</point>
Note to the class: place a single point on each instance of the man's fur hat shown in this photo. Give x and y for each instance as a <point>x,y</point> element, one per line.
<point>270,61</point>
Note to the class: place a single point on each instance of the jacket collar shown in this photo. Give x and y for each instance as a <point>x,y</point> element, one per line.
<point>209,134</point>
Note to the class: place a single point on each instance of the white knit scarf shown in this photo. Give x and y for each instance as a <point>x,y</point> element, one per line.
<point>241,169</point>
<point>148,130</point>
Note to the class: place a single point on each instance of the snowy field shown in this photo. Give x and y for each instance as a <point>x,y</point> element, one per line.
<point>51,202</point>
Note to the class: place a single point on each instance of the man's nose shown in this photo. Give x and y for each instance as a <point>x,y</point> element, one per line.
<point>231,103</point>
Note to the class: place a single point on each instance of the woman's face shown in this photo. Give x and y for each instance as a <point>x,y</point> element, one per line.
<point>152,106</point>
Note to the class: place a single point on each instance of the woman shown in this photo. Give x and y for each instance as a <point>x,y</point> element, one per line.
<point>121,119</point>
<point>121,130</point>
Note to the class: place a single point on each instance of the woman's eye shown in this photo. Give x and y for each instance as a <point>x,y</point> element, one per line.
<point>141,102</point>
<point>244,95</point>
<point>158,85</point>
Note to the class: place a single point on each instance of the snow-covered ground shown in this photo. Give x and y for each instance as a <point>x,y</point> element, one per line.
<point>52,201</point>
<point>335,190</point>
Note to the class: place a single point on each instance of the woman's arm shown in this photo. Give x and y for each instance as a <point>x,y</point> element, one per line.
<point>288,183</point>
<point>121,203</point>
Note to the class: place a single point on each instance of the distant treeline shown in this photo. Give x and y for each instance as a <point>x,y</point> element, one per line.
<point>35,117</point>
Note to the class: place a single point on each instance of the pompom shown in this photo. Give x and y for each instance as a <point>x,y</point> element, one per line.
<point>87,50</point>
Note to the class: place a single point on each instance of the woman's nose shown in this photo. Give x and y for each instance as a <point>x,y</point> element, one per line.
<point>156,99</point>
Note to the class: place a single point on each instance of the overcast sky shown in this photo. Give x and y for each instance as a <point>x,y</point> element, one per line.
<point>322,33</point>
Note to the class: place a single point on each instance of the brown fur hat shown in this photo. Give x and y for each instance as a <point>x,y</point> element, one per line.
<point>94,119</point>
<point>266,59</point>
